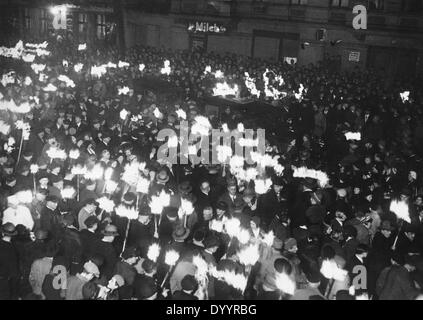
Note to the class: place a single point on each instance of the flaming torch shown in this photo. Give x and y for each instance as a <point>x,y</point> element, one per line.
<point>171,258</point>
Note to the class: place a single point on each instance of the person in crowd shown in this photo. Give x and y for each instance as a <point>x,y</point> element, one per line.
<point>322,194</point>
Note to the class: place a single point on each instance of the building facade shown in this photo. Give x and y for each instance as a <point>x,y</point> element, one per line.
<point>307,30</point>
<point>86,21</point>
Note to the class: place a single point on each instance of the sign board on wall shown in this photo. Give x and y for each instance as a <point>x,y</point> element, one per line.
<point>290,60</point>
<point>354,56</point>
<point>206,27</point>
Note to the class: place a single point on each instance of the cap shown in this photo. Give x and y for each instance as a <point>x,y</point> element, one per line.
<point>129,252</point>
<point>189,283</point>
<point>90,267</point>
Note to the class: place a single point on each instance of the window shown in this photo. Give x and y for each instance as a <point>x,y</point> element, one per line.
<point>101,26</point>
<point>299,2</point>
<point>82,25</point>
<point>43,21</point>
<point>27,19</point>
<point>340,3</point>
<point>376,4</point>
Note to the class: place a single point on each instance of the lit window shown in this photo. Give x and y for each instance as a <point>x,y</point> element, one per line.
<point>27,19</point>
<point>101,26</point>
<point>82,24</point>
<point>43,21</point>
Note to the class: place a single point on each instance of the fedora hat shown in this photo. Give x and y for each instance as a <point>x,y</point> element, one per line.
<point>9,229</point>
<point>162,176</point>
<point>180,233</point>
<point>110,230</point>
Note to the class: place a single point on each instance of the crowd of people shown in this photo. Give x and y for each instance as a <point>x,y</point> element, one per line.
<point>214,235</point>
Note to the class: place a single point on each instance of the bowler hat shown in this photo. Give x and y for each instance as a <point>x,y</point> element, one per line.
<point>129,252</point>
<point>162,176</point>
<point>129,198</point>
<point>171,212</point>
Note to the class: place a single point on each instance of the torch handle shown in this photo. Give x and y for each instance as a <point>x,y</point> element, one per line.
<point>35,184</point>
<point>20,151</point>
<point>126,237</point>
<point>77,187</point>
<point>166,277</point>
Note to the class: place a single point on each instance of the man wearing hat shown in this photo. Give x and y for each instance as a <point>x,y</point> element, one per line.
<point>406,242</point>
<point>126,268</point>
<point>9,267</point>
<point>394,282</point>
<point>221,211</point>
<point>179,236</point>
<point>141,231</point>
<point>145,285</point>
<point>49,217</point>
<point>168,222</point>
<point>75,284</point>
<point>106,249</point>
<point>23,178</point>
<point>56,186</point>
<point>162,178</point>
<point>89,236</point>
<point>380,254</point>
<point>70,243</point>
<point>189,287</point>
